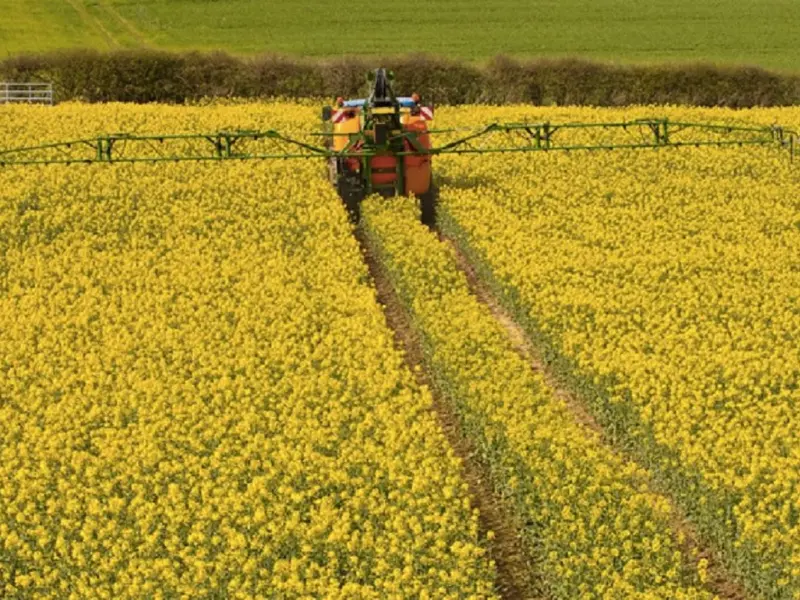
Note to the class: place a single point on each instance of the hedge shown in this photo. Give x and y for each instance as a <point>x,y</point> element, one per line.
<point>159,76</point>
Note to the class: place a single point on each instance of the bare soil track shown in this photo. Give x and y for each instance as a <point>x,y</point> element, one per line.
<point>720,581</point>
<point>516,576</point>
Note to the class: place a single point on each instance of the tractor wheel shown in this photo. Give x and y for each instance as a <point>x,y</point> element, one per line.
<point>351,189</point>
<point>427,206</point>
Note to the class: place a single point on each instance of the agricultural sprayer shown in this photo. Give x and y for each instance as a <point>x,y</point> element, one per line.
<point>383,144</point>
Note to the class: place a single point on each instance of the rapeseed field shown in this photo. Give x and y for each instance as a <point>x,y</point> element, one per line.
<point>200,395</point>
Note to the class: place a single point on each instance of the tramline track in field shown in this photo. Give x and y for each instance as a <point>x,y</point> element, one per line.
<point>721,582</point>
<point>400,318</point>
<point>516,575</point>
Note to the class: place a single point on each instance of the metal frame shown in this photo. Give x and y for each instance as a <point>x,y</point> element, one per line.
<point>494,138</point>
<point>643,133</point>
<point>26,93</point>
<point>380,133</point>
<point>124,147</point>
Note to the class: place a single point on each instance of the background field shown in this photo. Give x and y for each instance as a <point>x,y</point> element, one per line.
<point>763,33</point>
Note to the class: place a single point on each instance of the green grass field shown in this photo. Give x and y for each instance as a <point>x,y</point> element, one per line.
<point>762,32</point>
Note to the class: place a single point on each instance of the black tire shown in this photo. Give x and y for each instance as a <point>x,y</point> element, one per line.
<point>427,206</point>
<point>351,190</point>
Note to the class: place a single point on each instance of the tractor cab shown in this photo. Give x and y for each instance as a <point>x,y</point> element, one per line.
<point>382,146</point>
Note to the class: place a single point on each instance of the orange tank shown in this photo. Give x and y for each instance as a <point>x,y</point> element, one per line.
<point>384,169</point>
<point>417,168</point>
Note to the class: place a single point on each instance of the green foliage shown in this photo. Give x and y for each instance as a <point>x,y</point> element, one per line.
<point>161,76</point>
<point>761,33</point>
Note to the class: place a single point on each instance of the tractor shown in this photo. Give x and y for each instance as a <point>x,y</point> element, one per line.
<point>381,145</point>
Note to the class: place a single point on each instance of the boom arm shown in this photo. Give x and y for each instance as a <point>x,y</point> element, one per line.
<point>494,138</point>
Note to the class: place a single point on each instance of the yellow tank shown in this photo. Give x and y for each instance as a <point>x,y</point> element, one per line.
<point>406,118</point>
<point>348,125</point>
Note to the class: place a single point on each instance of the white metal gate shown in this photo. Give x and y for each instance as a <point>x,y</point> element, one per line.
<point>30,93</point>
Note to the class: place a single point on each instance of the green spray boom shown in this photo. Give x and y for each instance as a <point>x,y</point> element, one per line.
<point>493,138</point>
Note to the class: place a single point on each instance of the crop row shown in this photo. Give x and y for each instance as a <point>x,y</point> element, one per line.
<point>593,525</point>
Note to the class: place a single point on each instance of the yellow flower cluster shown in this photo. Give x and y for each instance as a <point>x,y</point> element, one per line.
<point>599,532</point>
<point>199,396</point>
<point>665,284</point>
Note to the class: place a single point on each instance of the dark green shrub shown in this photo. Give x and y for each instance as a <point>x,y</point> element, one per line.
<point>159,76</point>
